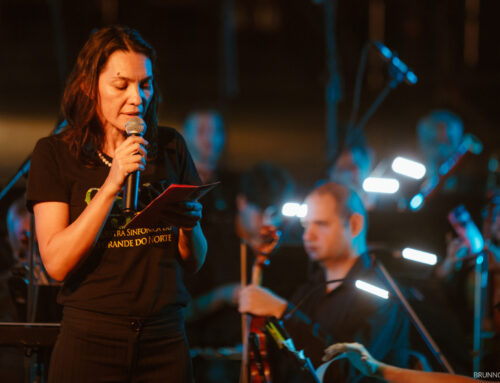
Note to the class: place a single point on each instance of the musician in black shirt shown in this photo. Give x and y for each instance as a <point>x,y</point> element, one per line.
<point>335,239</point>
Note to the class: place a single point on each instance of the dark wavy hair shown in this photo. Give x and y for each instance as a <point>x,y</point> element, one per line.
<point>85,133</point>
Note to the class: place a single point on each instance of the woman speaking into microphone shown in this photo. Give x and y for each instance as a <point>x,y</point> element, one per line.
<point>123,294</point>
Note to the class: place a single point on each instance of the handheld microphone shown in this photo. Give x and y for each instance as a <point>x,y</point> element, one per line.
<point>134,126</point>
<point>392,58</point>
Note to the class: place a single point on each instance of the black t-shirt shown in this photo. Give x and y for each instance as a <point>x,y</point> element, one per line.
<point>128,271</point>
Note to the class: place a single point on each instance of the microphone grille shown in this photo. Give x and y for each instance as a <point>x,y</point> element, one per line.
<point>136,126</point>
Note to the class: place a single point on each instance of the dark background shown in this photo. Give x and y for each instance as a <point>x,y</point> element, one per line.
<point>276,111</point>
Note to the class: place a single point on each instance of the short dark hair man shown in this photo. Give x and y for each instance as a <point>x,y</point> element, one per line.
<point>335,238</point>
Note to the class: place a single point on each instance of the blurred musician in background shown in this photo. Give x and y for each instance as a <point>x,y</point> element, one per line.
<point>353,165</point>
<point>205,137</point>
<point>457,273</point>
<point>335,239</point>
<point>214,324</point>
<point>19,232</point>
<point>439,135</point>
<point>12,299</point>
<point>18,228</point>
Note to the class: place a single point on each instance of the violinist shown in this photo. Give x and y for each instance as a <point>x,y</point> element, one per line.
<point>335,239</point>
<point>456,273</point>
<point>212,316</point>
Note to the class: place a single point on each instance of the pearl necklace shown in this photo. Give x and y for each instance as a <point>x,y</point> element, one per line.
<point>103,159</point>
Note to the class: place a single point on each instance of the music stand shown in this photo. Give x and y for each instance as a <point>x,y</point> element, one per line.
<point>34,338</point>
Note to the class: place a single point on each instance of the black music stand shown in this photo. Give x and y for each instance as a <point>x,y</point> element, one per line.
<point>36,339</point>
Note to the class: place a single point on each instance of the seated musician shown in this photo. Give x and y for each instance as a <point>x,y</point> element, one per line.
<point>334,238</point>
<point>353,165</point>
<point>18,227</point>
<point>213,321</point>
<point>11,310</point>
<point>456,272</point>
<point>205,137</point>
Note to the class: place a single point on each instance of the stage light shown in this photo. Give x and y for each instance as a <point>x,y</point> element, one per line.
<point>416,201</point>
<point>419,256</point>
<point>477,243</point>
<point>294,209</point>
<point>386,52</point>
<point>302,212</point>
<point>372,289</point>
<point>411,77</point>
<point>408,168</point>
<point>380,185</point>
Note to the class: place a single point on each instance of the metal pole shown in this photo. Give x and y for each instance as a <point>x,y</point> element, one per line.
<point>480,285</point>
<point>413,317</point>
<point>333,92</point>
<point>229,70</point>
<point>59,40</point>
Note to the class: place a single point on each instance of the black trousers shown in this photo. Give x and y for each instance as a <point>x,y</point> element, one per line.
<point>93,347</point>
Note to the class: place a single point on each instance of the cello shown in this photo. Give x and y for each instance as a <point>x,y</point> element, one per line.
<point>255,367</point>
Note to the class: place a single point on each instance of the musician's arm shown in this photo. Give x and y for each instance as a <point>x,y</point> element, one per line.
<point>260,301</point>
<point>360,358</point>
<point>211,301</point>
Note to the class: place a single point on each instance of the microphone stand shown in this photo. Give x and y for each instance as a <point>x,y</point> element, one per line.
<point>25,167</point>
<point>410,313</point>
<point>481,271</point>
<point>480,292</point>
<point>21,172</point>
<point>393,82</point>
<point>396,77</point>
